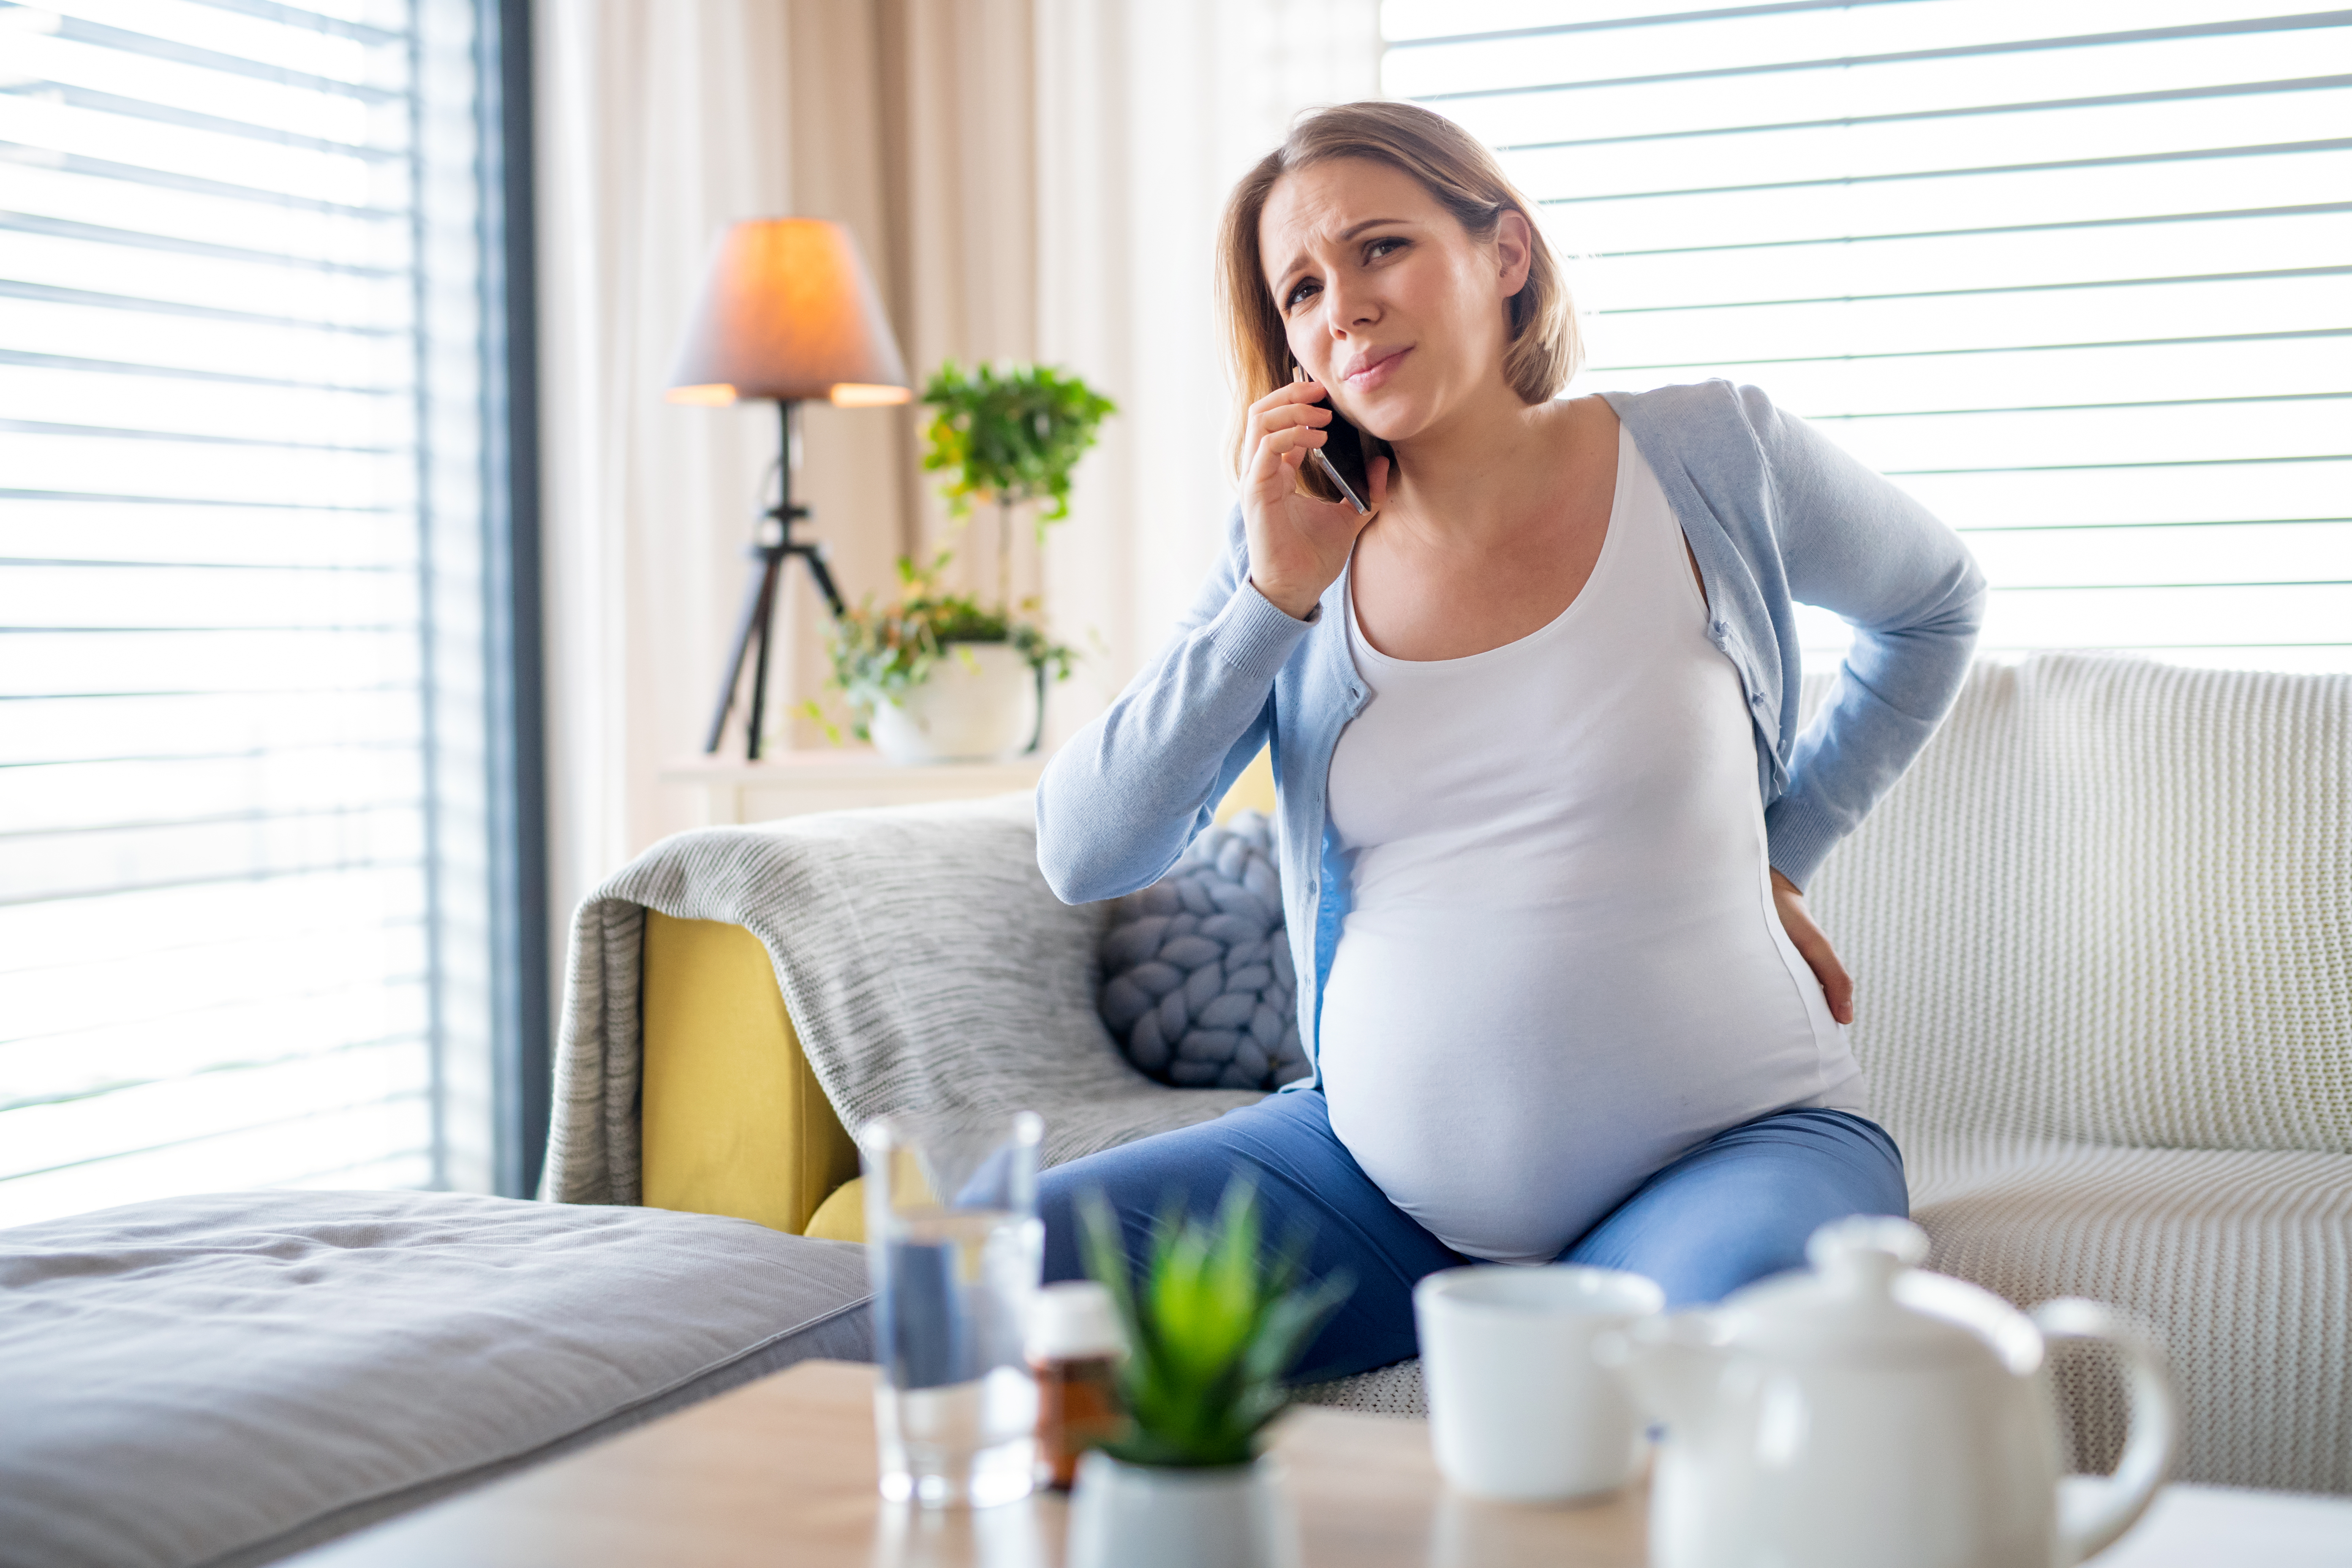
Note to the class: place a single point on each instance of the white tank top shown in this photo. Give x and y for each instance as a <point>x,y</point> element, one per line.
<point>1562,968</point>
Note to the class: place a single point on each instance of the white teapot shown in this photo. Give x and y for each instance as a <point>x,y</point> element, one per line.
<point>1872,1415</point>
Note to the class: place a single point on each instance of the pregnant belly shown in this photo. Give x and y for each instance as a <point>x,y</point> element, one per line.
<point>1507,1083</point>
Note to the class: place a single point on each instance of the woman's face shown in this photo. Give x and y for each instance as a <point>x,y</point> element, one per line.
<point>1385,297</point>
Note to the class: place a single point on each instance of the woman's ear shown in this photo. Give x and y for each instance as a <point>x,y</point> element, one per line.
<point>1515,250</point>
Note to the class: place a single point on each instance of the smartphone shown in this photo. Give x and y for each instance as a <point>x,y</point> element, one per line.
<point>1346,458</point>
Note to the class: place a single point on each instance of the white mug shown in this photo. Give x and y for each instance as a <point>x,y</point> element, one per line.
<point>1518,1407</point>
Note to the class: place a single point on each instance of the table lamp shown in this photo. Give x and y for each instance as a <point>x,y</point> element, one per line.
<point>787,312</point>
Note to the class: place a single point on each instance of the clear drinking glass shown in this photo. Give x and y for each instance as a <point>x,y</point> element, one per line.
<point>955,1246</point>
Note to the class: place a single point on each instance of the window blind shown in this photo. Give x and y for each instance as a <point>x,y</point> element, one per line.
<point>249,460</point>
<point>2077,276</point>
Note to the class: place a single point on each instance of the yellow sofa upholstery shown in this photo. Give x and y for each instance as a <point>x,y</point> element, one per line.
<point>734,1121</point>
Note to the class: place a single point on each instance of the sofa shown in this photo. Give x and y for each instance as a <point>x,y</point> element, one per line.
<point>2103,937</point>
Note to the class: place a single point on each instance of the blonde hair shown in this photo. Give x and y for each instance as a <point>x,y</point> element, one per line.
<point>1456,169</point>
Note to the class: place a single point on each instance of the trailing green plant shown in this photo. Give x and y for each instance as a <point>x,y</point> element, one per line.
<point>879,654</point>
<point>1009,436</point>
<point>1214,1323</point>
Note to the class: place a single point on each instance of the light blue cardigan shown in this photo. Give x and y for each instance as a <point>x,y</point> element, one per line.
<point>1773,511</point>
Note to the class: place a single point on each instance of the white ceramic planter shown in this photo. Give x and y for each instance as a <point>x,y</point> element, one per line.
<point>978,704</point>
<point>1138,1516</point>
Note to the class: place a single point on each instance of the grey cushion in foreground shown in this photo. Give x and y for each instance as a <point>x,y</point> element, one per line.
<point>223,1380</point>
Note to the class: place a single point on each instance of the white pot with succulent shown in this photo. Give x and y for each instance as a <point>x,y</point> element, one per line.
<point>1212,1327</point>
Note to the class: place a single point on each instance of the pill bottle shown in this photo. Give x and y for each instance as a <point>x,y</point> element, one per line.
<point>1075,1347</point>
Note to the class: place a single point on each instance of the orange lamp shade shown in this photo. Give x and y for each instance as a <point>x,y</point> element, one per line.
<point>788,311</point>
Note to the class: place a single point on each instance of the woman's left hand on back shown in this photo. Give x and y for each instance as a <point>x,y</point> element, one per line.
<point>1837,986</point>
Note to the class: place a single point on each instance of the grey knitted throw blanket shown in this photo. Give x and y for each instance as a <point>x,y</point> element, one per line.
<point>925,965</point>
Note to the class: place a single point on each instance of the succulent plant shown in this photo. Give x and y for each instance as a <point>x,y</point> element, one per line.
<point>1214,1323</point>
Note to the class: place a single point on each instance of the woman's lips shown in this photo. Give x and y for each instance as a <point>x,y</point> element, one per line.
<point>1378,371</point>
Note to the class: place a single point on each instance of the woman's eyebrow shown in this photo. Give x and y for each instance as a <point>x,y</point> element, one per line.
<point>1298,262</point>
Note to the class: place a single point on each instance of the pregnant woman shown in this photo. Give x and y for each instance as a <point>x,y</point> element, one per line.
<point>1546,815</point>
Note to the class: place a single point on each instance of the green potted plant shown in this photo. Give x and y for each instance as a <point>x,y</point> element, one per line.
<point>1214,1323</point>
<point>1009,436</point>
<point>938,676</point>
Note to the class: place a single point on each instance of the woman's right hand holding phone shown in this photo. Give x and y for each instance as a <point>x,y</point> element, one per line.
<point>1297,543</point>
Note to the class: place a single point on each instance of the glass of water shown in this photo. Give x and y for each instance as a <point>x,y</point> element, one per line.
<point>955,1244</point>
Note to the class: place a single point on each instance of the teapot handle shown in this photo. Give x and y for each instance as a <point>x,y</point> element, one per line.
<point>2095,1511</point>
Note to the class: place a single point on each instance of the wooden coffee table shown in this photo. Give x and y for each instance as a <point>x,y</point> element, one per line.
<point>781,1472</point>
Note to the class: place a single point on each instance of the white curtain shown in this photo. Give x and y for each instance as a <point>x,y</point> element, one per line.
<point>659,121</point>
<point>912,123</point>
<point>1028,179</point>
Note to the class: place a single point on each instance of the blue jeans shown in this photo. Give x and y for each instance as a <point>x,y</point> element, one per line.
<point>1736,1208</point>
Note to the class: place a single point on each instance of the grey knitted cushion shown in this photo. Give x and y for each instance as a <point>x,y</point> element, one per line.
<point>1198,987</point>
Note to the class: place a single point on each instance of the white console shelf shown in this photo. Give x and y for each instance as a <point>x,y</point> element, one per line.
<point>792,783</point>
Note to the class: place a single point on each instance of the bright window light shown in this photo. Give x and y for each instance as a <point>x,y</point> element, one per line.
<point>2077,276</point>
<point>242,470</point>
